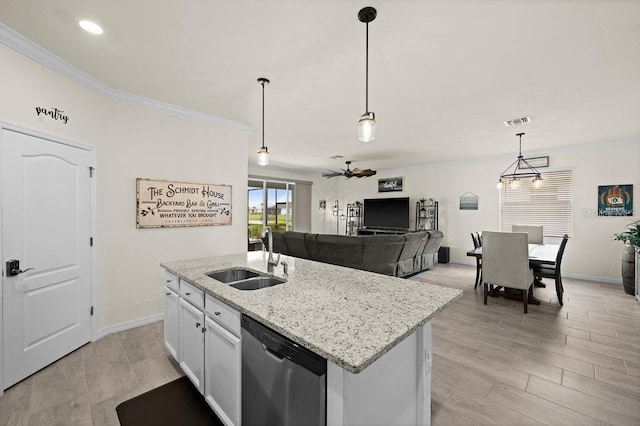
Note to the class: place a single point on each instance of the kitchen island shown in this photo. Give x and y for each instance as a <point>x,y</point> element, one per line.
<point>373,330</point>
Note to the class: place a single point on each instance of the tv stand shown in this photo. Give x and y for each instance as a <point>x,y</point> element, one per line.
<point>376,231</point>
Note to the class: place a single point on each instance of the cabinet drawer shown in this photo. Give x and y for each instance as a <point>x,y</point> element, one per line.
<point>172,281</point>
<point>194,295</point>
<point>223,314</point>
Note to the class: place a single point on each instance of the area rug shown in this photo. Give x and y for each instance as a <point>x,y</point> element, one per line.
<point>173,404</point>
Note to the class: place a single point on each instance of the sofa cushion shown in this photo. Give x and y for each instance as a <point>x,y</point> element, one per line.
<point>380,253</point>
<point>407,255</point>
<point>430,254</point>
<point>311,241</point>
<point>340,250</point>
<point>417,260</point>
<point>296,245</point>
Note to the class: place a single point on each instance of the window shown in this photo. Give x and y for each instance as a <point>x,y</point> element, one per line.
<point>550,206</point>
<point>270,203</point>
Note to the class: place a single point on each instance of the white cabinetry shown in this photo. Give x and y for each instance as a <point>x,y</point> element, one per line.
<point>223,361</point>
<point>207,346</point>
<point>172,314</point>
<point>192,343</point>
<point>172,322</point>
<point>192,333</point>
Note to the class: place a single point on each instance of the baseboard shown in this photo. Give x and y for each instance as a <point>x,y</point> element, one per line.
<point>127,325</point>
<point>564,274</point>
<point>592,278</point>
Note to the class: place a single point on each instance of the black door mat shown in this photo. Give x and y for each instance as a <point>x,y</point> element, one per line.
<point>176,403</point>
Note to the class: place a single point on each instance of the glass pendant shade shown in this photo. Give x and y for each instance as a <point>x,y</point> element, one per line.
<point>500,184</point>
<point>513,183</point>
<point>537,182</point>
<point>367,127</point>
<point>263,156</point>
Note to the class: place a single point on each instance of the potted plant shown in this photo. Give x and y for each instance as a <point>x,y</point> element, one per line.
<point>631,238</point>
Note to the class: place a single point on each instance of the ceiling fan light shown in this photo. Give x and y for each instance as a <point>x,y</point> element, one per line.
<point>263,156</point>
<point>367,127</point>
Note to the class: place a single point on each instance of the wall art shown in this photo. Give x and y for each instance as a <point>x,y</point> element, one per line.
<point>390,184</point>
<point>469,201</point>
<point>170,204</point>
<point>615,200</point>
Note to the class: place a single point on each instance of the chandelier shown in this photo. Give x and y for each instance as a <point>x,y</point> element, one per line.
<point>521,170</point>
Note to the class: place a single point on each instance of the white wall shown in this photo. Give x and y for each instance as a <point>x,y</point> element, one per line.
<point>132,141</point>
<point>590,253</point>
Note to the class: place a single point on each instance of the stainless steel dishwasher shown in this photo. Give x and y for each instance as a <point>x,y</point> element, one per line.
<point>283,384</point>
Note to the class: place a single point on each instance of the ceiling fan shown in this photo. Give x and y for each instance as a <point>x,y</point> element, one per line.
<point>349,173</point>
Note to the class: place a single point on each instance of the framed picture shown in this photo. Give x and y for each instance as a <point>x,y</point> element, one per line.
<point>615,200</point>
<point>469,201</point>
<point>171,204</point>
<point>390,184</point>
<point>537,162</point>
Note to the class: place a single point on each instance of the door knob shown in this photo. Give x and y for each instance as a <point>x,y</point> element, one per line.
<point>13,268</point>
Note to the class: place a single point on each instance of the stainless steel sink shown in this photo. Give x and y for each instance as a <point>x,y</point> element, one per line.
<point>257,283</point>
<point>235,274</point>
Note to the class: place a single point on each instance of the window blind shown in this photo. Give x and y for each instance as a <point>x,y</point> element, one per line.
<point>550,206</point>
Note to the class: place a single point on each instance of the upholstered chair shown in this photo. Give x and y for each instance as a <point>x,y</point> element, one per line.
<point>533,231</point>
<point>505,263</point>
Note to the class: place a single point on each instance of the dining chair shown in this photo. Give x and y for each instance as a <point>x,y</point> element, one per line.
<point>535,232</point>
<point>505,263</point>
<point>476,244</point>
<point>553,271</point>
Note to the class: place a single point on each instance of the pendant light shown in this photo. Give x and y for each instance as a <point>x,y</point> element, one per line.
<point>521,169</point>
<point>367,121</point>
<point>263,152</point>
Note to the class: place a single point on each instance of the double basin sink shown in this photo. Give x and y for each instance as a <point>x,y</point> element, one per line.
<point>245,279</point>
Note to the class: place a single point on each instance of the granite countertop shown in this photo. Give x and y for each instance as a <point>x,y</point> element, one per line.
<point>348,316</point>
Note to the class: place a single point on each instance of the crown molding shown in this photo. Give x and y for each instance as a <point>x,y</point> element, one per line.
<point>23,45</point>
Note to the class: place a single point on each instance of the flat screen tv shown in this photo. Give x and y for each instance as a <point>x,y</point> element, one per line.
<point>386,213</point>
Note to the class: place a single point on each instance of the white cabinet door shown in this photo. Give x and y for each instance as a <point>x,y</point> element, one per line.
<point>172,322</point>
<point>192,343</point>
<point>223,363</point>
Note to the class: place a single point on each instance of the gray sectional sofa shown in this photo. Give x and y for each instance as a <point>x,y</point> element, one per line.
<point>395,255</point>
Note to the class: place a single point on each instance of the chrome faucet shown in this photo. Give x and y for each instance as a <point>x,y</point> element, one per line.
<point>270,262</point>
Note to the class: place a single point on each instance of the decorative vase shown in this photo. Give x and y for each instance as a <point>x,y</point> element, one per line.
<point>629,268</point>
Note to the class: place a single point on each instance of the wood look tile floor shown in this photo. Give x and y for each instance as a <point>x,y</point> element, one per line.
<point>577,364</point>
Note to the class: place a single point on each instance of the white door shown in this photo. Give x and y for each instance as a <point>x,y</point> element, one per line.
<point>191,350</point>
<point>46,221</point>
<point>223,364</point>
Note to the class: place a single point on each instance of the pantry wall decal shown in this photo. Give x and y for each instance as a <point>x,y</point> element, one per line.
<point>171,204</point>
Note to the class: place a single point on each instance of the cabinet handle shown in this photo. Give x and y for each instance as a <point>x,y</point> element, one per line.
<point>216,313</point>
<point>168,281</point>
<point>198,324</point>
<point>188,293</point>
<point>168,294</point>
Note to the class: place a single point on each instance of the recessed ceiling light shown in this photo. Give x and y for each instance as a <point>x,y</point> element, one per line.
<point>90,26</point>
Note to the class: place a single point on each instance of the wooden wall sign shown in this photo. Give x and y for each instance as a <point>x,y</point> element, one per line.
<point>169,204</point>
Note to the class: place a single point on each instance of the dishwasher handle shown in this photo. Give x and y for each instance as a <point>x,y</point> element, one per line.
<point>276,356</point>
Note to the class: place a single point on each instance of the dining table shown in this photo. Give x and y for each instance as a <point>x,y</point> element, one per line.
<point>539,254</point>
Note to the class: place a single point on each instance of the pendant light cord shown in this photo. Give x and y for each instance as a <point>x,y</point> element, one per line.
<point>262,82</point>
<point>366,73</point>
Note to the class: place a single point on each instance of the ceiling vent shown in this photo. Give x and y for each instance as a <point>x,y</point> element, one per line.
<point>517,121</point>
